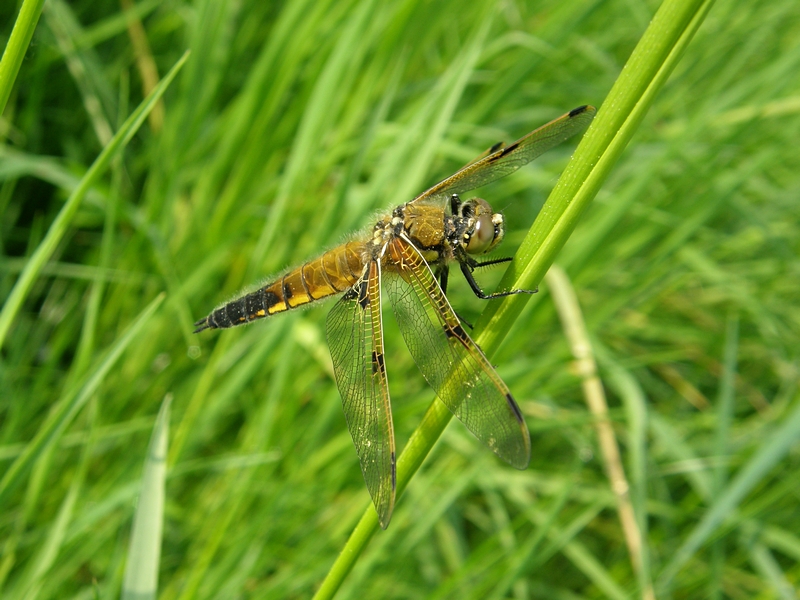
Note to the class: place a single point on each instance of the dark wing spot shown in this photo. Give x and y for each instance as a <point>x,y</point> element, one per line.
<point>394,473</point>
<point>363,296</point>
<point>507,150</point>
<point>456,331</point>
<point>496,147</point>
<point>576,111</point>
<point>377,363</point>
<point>514,408</point>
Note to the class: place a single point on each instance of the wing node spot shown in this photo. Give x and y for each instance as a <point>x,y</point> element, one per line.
<point>377,363</point>
<point>454,331</point>
<point>509,149</point>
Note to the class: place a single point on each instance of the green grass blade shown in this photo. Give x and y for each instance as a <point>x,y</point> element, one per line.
<point>18,44</point>
<point>67,408</point>
<point>347,108</point>
<point>314,117</point>
<point>61,224</point>
<point>777,446</point>
<point>645,73</point>
<point>36,574</point>
<point>725,402</point>
<point>643,76</point>
<point>141,572</point>
<point>771,570</point>
<point>369,521</point>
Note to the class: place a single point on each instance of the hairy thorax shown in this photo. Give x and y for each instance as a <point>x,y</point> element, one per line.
<point>425,226</point>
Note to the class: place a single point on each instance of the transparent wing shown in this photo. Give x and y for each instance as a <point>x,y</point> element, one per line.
<point>355,337</point>
<point>503,160</point>
<point>450,361</point>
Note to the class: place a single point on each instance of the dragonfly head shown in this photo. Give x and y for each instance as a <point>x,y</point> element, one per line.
<point>483,229</point>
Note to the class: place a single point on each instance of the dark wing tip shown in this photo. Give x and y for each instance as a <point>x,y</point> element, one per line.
<point>582,109</point>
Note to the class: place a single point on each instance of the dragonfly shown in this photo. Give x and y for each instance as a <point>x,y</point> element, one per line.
<point>407,253</point>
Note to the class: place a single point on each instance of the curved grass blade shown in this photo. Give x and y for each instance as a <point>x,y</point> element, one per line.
<point>62,222</point>
<point>141,572</point>
<point>69,406</point>
<point>644,74</point>
<point>17,45</point>
<point>775,447</point>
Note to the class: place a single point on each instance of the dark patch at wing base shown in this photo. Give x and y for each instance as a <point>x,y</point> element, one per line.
<point>377,363</point>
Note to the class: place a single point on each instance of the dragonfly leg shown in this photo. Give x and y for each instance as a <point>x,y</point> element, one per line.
<point>466,269</point>
<point>488,263</point>
<point>463,320</point>
<point>442,273</point>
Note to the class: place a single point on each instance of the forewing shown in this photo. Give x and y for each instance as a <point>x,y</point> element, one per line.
<point>507,159</point>
<point>355,337</point>
<point>450,361</point>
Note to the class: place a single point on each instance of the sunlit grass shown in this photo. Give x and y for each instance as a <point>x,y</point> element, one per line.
<point>289,127</point>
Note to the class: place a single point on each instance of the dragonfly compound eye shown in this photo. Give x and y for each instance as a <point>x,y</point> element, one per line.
<point>482,236</point>
<point>486,232</point>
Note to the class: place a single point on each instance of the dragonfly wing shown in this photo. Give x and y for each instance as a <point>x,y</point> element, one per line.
<point>450,361</point>
<point>504,160</point>
<point>355,337</point>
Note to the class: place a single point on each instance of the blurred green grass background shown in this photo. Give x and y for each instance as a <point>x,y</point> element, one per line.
<point>292,125</point>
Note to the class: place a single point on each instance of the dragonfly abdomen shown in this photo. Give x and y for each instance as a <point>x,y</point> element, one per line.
<point>332,273</point>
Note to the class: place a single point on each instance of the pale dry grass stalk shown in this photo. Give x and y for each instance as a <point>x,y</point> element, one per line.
<point>569,312</point>
<point>145,62</point>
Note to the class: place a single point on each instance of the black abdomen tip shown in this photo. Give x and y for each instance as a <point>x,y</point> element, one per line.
<point>204,323</point>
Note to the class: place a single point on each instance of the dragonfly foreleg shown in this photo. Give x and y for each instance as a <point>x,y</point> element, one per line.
<point>487,263</point>
<point>466,269</point>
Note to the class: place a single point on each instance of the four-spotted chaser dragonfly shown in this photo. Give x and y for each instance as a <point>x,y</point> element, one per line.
<point>405,253</point>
